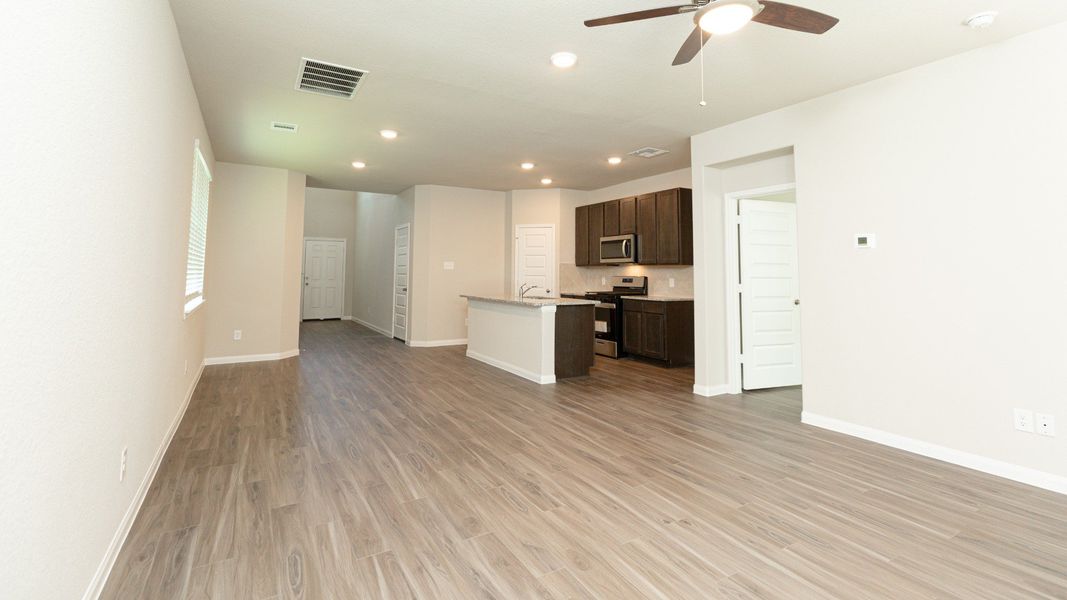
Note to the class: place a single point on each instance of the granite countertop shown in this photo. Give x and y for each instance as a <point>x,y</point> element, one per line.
<point>659,298</point>
<point>531,301</point>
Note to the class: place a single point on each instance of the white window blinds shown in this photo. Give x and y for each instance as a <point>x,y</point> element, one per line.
<point>194,267</point>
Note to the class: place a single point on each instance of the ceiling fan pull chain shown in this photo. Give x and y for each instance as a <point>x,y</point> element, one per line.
<point>702,101</point>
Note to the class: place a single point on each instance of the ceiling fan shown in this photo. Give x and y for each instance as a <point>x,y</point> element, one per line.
<point>720,17</point>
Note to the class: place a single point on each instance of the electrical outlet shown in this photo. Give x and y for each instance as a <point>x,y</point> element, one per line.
<point>1024,420</point>
<point>1046,424</point>
<point>670,282</point>
<point>236,335</point>
<point>603,281</point>
<point>122,466</point>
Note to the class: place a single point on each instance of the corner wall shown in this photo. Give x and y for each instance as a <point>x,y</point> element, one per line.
<point>255,250</point>
<point>929,340</point>
<point>97,357</point>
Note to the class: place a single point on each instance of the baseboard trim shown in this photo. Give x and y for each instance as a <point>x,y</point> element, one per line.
<point>96,586</point>
<point>510,368</point>
<point>711,390</point>
<point>247,358</point>
<point>1041,479</point>
<point>368,325</point>
<point>436,343</point>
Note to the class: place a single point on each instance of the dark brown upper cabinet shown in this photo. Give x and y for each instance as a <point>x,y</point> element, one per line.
<point>646,230</point>
<point>611,218</point>
<point>596,231</point>
<point>581,236</point>
<point>628,215</point>
<point>662,222</point>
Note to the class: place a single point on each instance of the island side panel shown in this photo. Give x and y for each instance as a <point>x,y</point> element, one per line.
<point>511,338</point>
<point>574,341</point>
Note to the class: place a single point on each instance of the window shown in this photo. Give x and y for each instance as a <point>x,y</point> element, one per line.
<point>194,266</point>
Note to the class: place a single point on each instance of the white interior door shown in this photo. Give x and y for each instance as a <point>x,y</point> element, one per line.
<point>324,279</point>
<point>770,301</point>
<point>535,258</point>
<point>401,277</point>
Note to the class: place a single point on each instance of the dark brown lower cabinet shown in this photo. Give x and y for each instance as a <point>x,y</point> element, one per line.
<point>659,330</point>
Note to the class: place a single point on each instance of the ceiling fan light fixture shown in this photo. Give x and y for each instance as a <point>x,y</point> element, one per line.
<point>564,60</point>
<point>726,17</point>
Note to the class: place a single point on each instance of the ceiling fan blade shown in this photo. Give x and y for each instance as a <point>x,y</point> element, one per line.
<point>691,46</point>
<point>792,17</point>
<point>639,15</point>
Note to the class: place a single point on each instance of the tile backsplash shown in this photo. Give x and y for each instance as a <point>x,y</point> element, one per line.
<point>574,279</point>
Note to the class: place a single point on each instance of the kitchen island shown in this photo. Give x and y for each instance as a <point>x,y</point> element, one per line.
<point>540,339</point>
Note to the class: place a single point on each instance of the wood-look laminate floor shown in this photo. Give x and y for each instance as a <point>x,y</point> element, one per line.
<point>367,469</point>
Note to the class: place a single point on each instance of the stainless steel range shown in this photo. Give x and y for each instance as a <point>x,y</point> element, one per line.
<point>608,323</point>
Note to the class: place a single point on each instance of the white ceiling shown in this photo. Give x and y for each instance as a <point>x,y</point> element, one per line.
<point>469,86</point>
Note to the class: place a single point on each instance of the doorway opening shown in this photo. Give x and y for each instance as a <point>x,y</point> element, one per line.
<point>763,292</point>
<point>324,279</point>
<point>401,280</point>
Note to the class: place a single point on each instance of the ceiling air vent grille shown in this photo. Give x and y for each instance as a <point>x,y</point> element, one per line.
<point>649,152</point>
<point>284,127</point>
<point>319,77</point>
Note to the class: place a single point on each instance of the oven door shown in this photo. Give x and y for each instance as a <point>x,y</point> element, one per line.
<point>604,320</point>
<point>618,249</point>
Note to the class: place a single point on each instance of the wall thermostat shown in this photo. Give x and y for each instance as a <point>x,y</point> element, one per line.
<point>865,240</point>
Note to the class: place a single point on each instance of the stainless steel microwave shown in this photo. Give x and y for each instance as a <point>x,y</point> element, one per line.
<point>618,249</point>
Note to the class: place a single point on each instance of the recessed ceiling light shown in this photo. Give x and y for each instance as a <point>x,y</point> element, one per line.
<point>564,60</point>
<point>389,134</point>
<point>981,20</point>
<point>614,160</point>
<point>526,166</point>
<point>359,164</point>
<point>727,17</point>
<point>546,181</point>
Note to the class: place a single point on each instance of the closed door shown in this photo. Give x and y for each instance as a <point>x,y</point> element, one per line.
<point>770,300</point>
<point>324,279</point>
<point>535,259</point>
<point>401,280</point>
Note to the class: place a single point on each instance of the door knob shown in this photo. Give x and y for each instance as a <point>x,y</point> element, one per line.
<point>796,302</point>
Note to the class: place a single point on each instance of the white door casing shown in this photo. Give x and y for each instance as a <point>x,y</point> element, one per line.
<point>770,300</point>
<point>401,280</point>
<point>535,258</point>
<point>324,278</point>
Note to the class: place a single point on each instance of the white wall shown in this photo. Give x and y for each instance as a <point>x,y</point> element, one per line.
<point>332,214</point>
<point>463,226</point>
<point>955,318</point>
<point>94,223</point>
<point>255,242</point>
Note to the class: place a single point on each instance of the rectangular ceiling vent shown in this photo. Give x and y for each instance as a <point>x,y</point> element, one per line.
<point>649,152</point>
<point>283,127</point>
<point>324,78</point>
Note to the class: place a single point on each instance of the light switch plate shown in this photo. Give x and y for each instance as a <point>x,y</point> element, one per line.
<point>670,282</point>
<point>1024,420</point>
<point>450,266</point>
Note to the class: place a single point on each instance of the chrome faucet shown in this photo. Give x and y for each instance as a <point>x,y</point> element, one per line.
<point>524,289</point>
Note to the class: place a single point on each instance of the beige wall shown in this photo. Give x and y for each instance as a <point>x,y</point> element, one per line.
<point>463,226</point>
<point>332,214</point>
<point>255,231</point>
<point>98,162</point>
<point>954,319</point>
<point>377,217</point>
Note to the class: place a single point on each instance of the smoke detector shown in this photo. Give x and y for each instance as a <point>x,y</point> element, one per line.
<point>328,79</point>
<point>283,127</point>
<point>649,152</point>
